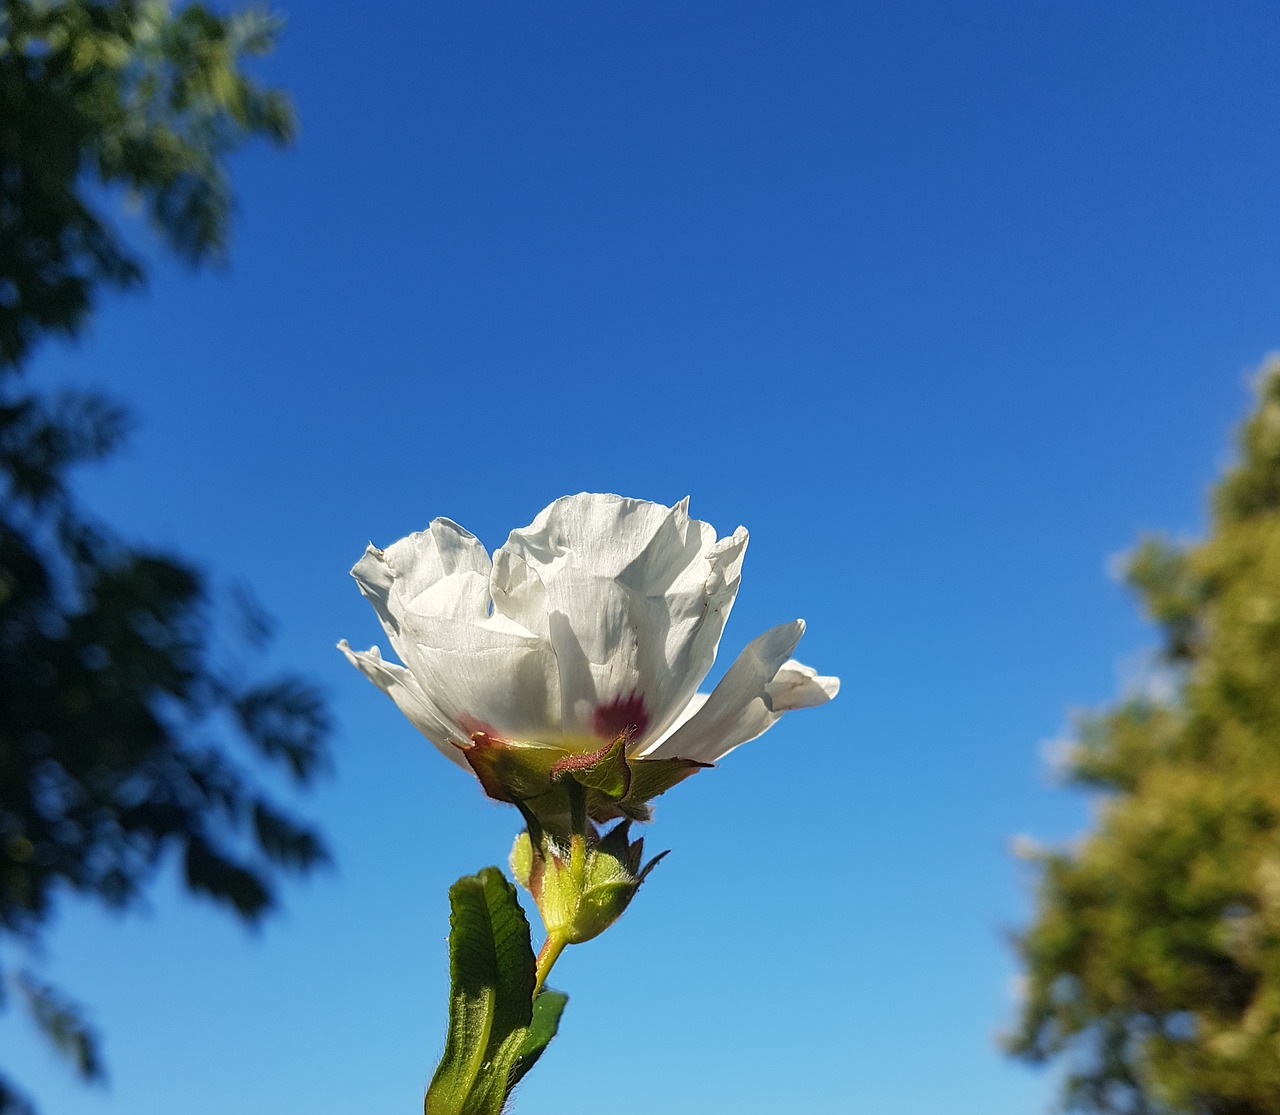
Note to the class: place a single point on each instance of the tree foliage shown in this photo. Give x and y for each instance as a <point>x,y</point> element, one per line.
<point>111,96</point>
<point>1153,961</point>
<point>116,708</point>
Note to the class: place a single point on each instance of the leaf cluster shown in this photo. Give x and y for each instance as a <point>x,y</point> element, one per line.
<point>1153,962</point>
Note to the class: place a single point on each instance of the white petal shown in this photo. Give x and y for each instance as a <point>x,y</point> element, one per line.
<point>403,688</point>
<point>741,707</point>
<point>685,639</point>
<point>484,678</point>
<point>636,594</point>
<point>442,571</point>
<point>603,533</point>
<point>690,710</point>
<point>799,686</point>
<point>518,592</point>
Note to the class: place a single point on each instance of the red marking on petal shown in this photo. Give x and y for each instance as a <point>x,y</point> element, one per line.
<point>623,716</point>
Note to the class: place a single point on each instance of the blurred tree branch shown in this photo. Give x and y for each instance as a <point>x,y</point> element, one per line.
<point>115,712</point>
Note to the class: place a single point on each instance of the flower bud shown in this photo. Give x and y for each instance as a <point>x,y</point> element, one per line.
<point>583,888</point>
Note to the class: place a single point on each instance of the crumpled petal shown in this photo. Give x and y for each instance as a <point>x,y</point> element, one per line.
<point>755,691</point>
<point>441,571</point>
<point>403,688</point>
<point>482,673</point>
<point>635,597</point>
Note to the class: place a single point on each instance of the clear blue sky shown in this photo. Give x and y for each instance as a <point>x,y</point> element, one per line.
<point>945,302</point>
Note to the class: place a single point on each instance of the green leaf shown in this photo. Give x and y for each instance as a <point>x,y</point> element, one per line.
<point>492,975</point>
<point>547,1009</point>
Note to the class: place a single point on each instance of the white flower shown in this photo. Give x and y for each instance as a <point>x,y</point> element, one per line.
<point>599,620</point>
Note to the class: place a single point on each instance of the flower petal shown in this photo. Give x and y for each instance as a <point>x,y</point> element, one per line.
<point>799,686</point>
<point>603,533</point>
<point>742,706</point>
<point>518,592</point>
<point>403,688</point>
<point>484,678</point>
<point>442,571</point>
<point>688,713</point>
<point>636,596</point>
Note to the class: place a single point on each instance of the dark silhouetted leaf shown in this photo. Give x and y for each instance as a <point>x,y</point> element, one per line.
<point>222,879</point>
<point>284,841</point>
<point>286,720</point>
<point>63,1023</point>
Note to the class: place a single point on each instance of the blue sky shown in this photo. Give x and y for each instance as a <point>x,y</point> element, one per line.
<point>946,303</point>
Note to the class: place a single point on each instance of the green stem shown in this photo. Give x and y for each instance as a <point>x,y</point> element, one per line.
<point>550,952</point>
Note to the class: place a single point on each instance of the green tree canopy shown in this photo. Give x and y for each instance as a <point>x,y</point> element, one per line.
<point>1153,961</point>
<point>115,711</point>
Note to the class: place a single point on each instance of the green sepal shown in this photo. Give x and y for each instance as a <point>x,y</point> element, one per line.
<point>649,779</point>
<point>617,844</point>
<point>557,789</point>
<point>547,1009</point>
<point>521,773</point>
<point>512,772</point>
<point>604,773</point>
<point>492,977</point>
